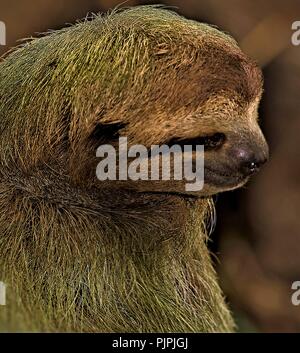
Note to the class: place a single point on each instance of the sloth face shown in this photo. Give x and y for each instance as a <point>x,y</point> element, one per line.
<point>234,147</point>
<point>210,103</point>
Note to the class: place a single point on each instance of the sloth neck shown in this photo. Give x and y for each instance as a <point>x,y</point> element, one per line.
<point>76,260</point>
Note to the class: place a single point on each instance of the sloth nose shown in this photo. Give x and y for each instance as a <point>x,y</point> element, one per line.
<point>250,161</point>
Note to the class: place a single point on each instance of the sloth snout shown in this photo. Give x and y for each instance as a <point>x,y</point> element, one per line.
<point>250,159</point>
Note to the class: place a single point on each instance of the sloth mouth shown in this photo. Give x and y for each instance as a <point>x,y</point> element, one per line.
<point>185,195</point>
<point>222,178</point>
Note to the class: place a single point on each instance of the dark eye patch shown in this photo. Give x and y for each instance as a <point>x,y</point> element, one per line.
<point>210,142</point>
<point>107,132</point>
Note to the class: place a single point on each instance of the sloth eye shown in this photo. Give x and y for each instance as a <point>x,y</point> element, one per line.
<point>210,142</point>
<point>213,141</point>
<point>107,132</point>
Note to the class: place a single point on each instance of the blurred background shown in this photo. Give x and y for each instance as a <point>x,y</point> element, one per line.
<point>257,238</point>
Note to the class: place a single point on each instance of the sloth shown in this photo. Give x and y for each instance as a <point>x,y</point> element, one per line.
<point>82,255</point>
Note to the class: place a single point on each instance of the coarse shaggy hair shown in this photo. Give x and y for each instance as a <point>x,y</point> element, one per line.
<point>78,256</point>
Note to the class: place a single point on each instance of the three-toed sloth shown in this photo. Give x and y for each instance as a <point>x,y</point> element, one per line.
<point>79,254</point>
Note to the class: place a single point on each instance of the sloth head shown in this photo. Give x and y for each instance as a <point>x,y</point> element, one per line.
<point>146,74</point>
<point>186,84</point>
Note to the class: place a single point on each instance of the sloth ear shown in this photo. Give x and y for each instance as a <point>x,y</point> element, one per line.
<point>104,133</point>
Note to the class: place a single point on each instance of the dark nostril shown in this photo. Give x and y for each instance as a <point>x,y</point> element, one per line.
<point>249,161</point>
<point>251,167</point>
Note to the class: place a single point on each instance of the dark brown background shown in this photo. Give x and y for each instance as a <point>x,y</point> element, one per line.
<point>257,239</point>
